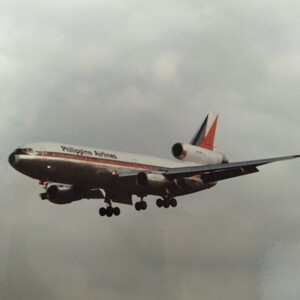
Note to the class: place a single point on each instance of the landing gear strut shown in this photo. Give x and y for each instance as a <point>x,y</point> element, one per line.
<point>44,195</point>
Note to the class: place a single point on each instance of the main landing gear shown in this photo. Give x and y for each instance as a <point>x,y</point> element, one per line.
<point>109,211</point>
<point>142,205</point>
<point>166,202</point>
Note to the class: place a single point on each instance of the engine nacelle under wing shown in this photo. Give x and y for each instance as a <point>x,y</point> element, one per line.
<point>198,154</point>
<point>153,183</point>
<point>64,195</point>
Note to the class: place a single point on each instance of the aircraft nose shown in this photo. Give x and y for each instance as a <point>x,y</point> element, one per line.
<point>12,159</point>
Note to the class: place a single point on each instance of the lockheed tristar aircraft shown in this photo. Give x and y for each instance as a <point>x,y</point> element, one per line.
<point>70,173</point>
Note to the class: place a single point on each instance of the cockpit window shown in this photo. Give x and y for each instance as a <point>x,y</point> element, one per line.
<point>19,151</point>
<point>23,151</point>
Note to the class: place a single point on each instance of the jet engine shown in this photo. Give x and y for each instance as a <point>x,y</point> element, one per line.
<point>63,195</point>
<point>198,154</point>
<point>152,182</point>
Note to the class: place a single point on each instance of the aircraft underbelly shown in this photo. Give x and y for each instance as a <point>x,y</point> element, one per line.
<point>102,176</point>
<point>67,172</point>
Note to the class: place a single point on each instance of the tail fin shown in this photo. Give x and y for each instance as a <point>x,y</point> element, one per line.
<point>205,135</point>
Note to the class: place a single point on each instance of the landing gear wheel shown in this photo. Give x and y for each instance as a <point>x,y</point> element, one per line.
<point>159,202</point>
<point>143,205</point>
<point>138,206</point>
<point>166,203</point>
<point>44,196</point>
<point>116,211</point>
<point>102,211</point>
<point>109,211</point>
<point>173,202</point>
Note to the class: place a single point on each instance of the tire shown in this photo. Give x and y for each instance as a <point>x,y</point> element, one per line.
<point>116,211</point>
<point>159,202</point>
<point>109,211</point>
<point>102,211</point>
<point>143,205</point>
<point>44,196</point>
<point>138,206</point>
<point>166,203</point>
<point>173,202</point>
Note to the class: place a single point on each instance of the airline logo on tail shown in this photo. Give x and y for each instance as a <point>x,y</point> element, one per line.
<point>205,136</point>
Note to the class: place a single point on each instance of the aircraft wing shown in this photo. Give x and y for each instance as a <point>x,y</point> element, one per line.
<point>212,173</point>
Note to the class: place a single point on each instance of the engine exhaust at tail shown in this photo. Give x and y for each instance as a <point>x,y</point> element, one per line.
<point>201,149</point>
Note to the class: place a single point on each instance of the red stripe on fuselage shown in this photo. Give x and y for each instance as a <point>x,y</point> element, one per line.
<point>116,163</point>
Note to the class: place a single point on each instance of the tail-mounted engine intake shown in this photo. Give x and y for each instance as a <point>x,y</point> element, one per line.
<point>198,154</point>
<point>63,195</point>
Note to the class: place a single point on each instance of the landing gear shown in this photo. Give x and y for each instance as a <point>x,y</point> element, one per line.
<point>166,202</point>
<point>109,211</point>
<point>142,205</point>
<point>44,196</point>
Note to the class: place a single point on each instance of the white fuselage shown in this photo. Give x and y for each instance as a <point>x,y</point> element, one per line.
<point>95,168</point>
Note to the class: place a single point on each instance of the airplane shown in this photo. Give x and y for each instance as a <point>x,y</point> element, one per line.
<point>70,173</point>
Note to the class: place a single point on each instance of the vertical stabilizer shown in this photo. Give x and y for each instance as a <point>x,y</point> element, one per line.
<point>205,135</point>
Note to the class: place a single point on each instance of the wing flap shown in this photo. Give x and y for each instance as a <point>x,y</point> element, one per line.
<point>225,174</point>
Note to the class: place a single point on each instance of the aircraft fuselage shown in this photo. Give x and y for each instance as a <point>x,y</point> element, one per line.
<point>95,168</point>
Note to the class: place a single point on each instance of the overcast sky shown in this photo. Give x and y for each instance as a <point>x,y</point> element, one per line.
<point>139,76</point>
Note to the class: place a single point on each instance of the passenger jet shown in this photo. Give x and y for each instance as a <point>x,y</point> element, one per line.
<point>71,173</point>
